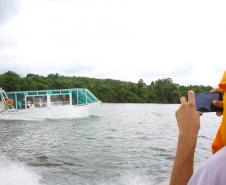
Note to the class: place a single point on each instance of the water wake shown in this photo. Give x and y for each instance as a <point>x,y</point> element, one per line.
<point>14,173</point>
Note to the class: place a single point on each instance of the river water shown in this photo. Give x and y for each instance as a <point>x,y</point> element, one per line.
<point>117,144</point>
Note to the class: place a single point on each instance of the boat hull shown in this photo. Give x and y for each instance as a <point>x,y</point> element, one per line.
<point>55,112</point>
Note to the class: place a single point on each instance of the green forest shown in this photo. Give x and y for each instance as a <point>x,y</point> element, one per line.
<point>107,90</point>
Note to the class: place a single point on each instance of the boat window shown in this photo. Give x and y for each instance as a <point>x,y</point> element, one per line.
<point>90,97</point>
<point>74,94</point>
<point>20,97</point>
<point>32,93</point>
<point>65,92</point>
<point>82,97</point>
<point>36,101</point>
<point>62,99</point>
<point>42,92</point>
<point>55,92</point>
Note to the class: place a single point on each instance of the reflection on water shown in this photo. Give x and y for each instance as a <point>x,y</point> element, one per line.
<point>119,144</point>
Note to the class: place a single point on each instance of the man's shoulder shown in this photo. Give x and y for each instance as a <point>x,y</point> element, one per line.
<point>212,172</point>
<point>218,160</point>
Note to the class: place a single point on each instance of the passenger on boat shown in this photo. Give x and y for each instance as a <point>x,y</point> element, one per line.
<point>212,172</point>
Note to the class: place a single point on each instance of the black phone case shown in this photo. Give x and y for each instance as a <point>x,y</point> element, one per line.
<point>204,102</point>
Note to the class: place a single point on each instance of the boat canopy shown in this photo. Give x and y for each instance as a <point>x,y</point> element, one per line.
<point>47,98</point>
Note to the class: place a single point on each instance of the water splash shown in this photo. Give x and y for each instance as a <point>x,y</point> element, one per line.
<point>15,173</point>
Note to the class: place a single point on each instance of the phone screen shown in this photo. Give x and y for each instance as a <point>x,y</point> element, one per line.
<point>204,102</point>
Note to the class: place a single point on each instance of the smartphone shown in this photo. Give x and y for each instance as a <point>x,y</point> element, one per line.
<point>204,102</point>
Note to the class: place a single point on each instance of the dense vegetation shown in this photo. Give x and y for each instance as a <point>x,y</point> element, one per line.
<point>107,90</point>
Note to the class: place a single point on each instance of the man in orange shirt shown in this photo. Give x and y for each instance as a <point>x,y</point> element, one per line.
<point>213,171</point>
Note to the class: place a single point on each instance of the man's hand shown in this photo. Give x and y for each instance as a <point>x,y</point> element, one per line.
<point>218,103</point>
<point>188,119</point>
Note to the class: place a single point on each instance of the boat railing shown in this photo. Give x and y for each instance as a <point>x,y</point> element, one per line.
<point>5,101</point>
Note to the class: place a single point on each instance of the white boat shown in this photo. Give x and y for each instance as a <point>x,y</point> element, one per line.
<point>51,100</point>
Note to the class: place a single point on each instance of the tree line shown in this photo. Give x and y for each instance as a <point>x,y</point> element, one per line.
<point>107,90</point>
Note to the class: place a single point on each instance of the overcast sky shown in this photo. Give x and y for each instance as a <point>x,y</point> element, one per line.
<point>119,39</point>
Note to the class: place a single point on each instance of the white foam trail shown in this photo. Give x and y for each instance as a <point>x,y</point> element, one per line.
<point>56,112</point>
<point>13,173</point>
